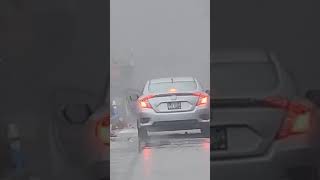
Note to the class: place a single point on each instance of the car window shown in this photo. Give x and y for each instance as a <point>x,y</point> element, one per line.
<point>164,87</point>
<point>230,79</point>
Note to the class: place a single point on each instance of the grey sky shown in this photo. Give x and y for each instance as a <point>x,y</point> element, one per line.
<point>168,37</point>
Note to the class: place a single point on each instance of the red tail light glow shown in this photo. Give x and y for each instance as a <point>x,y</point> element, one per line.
<point>298,120</point>
<point>102,129</point>
<point>203,98</point>
<point>144,101</point>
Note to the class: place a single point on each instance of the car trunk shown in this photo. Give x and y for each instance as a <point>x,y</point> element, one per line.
<point>173,102</point>
<point>242,124</point>
<point>250,126</point>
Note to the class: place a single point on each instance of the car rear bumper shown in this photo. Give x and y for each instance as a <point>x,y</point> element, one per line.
<point>198,118</point>
<point>289,157</point>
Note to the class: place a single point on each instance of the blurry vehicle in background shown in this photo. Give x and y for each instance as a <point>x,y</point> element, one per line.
<point>260,126</point>
<point>170,104</point>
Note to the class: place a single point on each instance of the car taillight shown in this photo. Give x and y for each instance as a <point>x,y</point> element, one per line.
<point>203,98</point>
<point>298,120</point>
<point>144,101</point>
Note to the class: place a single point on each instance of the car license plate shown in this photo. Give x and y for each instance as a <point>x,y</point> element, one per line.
<point>219,139</point>
<point>174,105</point>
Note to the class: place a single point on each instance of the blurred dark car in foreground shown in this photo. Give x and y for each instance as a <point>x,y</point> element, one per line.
<point>260,126</point>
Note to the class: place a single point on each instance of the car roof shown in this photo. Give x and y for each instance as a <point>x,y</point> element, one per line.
<point>172,79</point>
<point>240,55</point>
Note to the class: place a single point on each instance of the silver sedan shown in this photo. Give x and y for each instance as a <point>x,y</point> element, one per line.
<point>170,104</point>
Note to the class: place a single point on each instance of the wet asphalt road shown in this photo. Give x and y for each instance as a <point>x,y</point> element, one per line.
<point>169,156</point>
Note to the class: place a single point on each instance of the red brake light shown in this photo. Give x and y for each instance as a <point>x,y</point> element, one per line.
<point>298,119</point>
<point>203,98</point>
<point>144,101</point>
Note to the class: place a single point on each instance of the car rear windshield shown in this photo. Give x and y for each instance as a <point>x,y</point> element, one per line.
<point>239,79</point>
<point>180,86</point>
